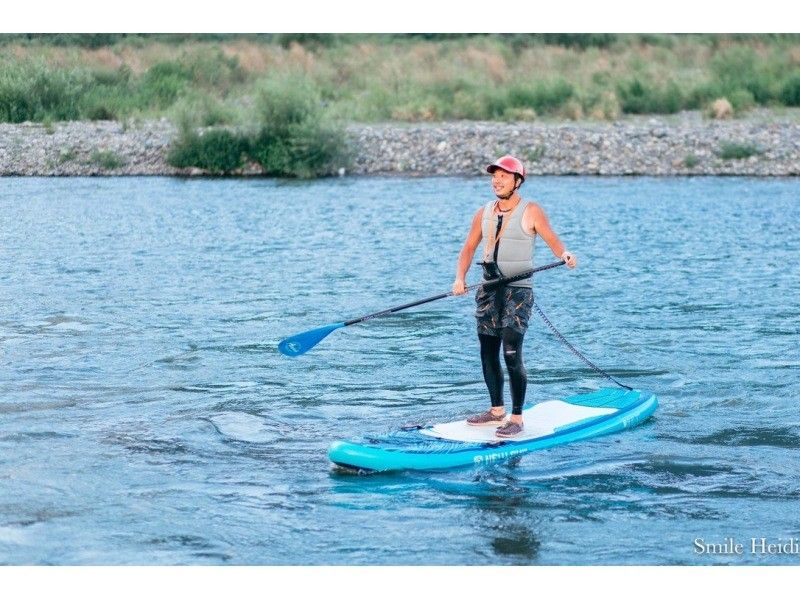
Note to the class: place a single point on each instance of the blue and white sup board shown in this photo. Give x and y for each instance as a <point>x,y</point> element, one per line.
<point>457,444</point>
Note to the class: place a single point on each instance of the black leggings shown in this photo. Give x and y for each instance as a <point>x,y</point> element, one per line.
<point>511,342</point>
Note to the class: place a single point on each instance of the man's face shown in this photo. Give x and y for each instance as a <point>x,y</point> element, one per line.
<point>503,183</point>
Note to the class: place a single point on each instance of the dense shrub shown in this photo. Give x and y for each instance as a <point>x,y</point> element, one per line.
<point>638,97</point>
<point>84,40</point>
<point>569,40</point>
<point>295,137</point>
<point>739,68</point>
<point>742,99</point>
<point>36,93</point>
<point>307,39</point>
<point>541,96</point>
<point>219,151</point>
<point>737,151</point>
<point>313,149</point>
<point>163,82</point>
<point>197,109</point>
<point>691,160</point>
<point>579,40</point>
<point>790,91</point>
<point>166,81</point>
<point>107,159</point>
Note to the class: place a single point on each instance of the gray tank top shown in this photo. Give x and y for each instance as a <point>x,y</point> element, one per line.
<point>515,246</point>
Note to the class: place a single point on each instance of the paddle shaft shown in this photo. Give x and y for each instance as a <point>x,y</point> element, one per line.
<point>487,284</point>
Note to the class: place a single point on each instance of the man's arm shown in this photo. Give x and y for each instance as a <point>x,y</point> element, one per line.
<point>541,226</point>
<point>467,252</point>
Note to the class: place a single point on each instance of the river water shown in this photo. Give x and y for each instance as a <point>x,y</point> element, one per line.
<point>146,416</point>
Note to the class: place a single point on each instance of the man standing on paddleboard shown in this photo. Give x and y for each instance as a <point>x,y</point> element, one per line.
<point>509,225</point>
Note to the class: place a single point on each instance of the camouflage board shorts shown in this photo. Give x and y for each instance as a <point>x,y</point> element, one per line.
<point>504,307</point>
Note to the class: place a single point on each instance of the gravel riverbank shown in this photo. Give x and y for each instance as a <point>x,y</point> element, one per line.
<point>684,144</point>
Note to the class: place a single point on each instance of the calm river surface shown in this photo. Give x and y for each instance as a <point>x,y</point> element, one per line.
<point>146,416</point>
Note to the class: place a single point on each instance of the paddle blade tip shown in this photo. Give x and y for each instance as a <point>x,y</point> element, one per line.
<point>298,344</point>
<point>291,348</point>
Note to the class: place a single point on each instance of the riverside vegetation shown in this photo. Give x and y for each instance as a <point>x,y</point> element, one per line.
<point>283,101</point>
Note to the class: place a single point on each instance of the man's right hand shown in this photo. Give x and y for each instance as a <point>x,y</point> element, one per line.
<point>459,286</point>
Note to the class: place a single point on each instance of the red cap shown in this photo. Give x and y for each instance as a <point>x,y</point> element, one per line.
<point>509,164</point>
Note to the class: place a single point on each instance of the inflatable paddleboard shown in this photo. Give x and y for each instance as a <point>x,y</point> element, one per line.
<point>457,444</point>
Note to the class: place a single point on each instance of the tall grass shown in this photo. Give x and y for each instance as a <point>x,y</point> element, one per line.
<point>219,78</point>
<point>37,93</point>
<point>577,40</point>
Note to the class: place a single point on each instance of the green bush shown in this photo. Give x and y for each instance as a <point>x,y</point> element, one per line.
<point>739,68</point>
<point>215,70</point>
<point>84,40</point>
<point>163,82</point>
<point>67,155</point>
<point>542,97</point>
<point>742,99</point>
<point>218,151</point>
<point>690,161</point>
<point>468,105</point>
<point>444,90</point>
<point>107,160</point>
<point>637,97</point>
<point>35,93</point>
<point>31,92</point>
<point>272,152</point>
<point>296,138</point>
<point>105,102</point>
<point>199,109</point>
<point>580,40</point>
<point>113,77</point>
<point>737,151</point>
<point>568,40</point>
<point>287,101</point>
<point>659,40</point>
<point>790,91</point>
<point>308,39</point>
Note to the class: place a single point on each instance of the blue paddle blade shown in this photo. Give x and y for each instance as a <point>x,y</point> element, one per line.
<point>300,343</point>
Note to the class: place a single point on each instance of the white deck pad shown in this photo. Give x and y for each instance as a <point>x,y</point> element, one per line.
<point>540,420</point>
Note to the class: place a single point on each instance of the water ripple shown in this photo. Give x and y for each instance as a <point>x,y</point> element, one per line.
<point>148,418</point>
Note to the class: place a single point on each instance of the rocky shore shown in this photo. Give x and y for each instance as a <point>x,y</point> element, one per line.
<point>764,144</point>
